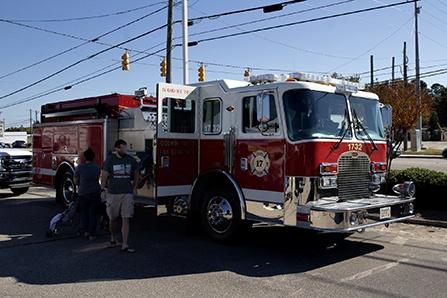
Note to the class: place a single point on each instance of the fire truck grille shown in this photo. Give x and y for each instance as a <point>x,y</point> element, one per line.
<point>354,176</point>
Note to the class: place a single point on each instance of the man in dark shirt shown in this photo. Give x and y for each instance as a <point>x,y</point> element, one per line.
<point>120,175</point>
<point>89,190</point>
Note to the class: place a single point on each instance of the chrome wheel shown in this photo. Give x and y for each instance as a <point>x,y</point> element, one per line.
<point>68,189</point>
<point>219,214</point>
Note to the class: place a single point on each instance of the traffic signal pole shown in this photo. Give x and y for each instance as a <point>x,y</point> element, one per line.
<point>169,42</point>
<point>185,43</point>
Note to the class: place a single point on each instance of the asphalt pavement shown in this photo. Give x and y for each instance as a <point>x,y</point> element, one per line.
<point>401,261</point>
<point>437,164</point>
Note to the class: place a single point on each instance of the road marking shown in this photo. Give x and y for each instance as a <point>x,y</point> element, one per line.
<point>374,270</point>
<point>4,237</point>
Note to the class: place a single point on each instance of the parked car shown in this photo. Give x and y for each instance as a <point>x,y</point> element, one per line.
<point>19,144</point>
<point>4,145</point>
<point>15,170</point>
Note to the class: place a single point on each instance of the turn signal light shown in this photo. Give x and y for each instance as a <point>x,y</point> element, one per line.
<point>328,169</point>
<point>378,167</point>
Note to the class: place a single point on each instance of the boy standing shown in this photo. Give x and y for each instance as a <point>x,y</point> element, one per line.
<point>89,190</point>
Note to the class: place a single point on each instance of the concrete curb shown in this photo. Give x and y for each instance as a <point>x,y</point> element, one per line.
<point>420,156</point>
<point>427,222</point>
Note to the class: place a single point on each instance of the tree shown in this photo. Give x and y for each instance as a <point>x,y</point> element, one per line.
<point>439,111</point>
<point>16,129</point>
<point>402,97</point>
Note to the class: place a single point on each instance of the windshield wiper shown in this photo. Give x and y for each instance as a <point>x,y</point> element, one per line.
<point>344,128</point>
<point>358,124</point>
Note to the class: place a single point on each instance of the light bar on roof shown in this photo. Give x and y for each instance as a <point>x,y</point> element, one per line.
<point>264,78</point>
<point>342,86</point>
<point>310,77</point>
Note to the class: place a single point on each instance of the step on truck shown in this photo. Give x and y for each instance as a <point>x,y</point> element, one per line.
<point>295,150</point>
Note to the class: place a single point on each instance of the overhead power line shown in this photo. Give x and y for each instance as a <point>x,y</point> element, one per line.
<point>117,13</point>
<point>78,82</point>
<point>303,22</point>
<point>237,26</point>
<point>96,40</point>
<point>426,74</point>
<point>270,18</point>
<point>82,60</point>
<point>375,46</point>
<point>214,38</point>
<point>227,13</point>
<point>85,40</point>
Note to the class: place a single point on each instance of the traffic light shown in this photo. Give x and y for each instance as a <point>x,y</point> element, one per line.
<point>163,67</point>
<point>201,71</point>
<point>125,61</point>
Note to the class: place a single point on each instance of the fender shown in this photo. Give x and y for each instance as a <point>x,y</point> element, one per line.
<point>63,164</point>
<point>232,182</point>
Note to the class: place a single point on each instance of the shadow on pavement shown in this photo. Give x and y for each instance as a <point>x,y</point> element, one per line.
<point>164,248</point>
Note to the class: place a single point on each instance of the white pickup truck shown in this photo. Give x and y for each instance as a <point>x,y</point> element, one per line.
<point>16,167</point>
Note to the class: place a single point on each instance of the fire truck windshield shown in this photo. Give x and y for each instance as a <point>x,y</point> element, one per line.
<point>314,114</point>
<point>367,112</point>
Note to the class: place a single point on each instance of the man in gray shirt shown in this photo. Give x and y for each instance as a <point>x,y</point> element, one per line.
<point>120,176</point>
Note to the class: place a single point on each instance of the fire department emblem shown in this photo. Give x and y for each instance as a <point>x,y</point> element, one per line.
<point>259,163</point>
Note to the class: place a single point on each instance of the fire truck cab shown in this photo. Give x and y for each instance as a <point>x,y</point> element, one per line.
<point>296,150</point>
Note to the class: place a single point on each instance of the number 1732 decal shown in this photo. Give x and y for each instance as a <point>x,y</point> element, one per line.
<point>356,147</point>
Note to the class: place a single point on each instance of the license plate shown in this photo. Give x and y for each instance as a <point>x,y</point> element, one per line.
<point>385,212</point>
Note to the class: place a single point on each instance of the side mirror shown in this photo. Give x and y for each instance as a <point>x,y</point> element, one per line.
<point>387,115</point>
<point>263,111</point>
<point>263,108</point>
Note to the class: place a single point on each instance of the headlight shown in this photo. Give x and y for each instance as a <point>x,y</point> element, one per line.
<point>328,182</point>
<point>406,189</point>
<point>378,178</point>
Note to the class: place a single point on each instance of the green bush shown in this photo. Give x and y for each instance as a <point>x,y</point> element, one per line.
<point>431,186</point>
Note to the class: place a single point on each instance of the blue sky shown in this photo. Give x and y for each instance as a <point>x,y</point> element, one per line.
<point>340,44</point>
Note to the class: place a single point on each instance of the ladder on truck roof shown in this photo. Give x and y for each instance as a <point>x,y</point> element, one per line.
<point>106,106</point>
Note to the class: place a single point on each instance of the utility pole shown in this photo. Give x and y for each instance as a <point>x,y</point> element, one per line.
<point>405,66</point>
<point>169,42</point>
<point>30,121</point>
<point>418,132</point>
<point>392,69</point>
<point>185,42</point>
<point>405,63</point>
<point>36,118</point>
<point>371,64</point>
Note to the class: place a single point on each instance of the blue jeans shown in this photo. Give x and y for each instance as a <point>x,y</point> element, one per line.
<point>89,205</point>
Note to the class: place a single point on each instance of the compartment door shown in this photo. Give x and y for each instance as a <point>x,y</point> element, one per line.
<point>177,138</point>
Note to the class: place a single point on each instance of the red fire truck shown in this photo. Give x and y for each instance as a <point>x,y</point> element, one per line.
<point>295,150</point>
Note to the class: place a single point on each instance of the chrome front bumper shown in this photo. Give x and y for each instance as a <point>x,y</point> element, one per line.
<point>331,216</point>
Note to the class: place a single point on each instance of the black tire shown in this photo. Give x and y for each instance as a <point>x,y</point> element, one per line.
<point>19,191</point>
<point>66,188</point>
<point>221,215</point>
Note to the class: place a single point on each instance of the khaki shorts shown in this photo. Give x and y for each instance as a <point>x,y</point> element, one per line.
<point>120,204</point>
